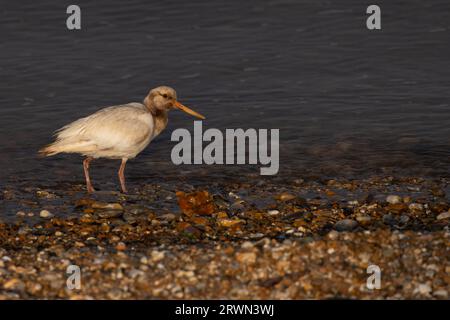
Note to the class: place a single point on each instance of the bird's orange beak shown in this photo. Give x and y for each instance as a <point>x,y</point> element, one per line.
<point>187,110</point>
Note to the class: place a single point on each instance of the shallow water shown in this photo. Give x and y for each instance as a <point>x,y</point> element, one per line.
<point>348,101</point>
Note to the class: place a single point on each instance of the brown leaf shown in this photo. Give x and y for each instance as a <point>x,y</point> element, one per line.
<point>197,202</point>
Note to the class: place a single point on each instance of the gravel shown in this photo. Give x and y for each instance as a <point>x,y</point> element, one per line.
<point>194,245</point>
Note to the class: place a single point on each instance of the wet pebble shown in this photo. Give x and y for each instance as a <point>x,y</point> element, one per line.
<point>423,289</point>
<point>415,206</point>
<point>404,219</point>
<point>333,235</point>
<point>24,230</point>
<point>108,214</point>
<point>21,214</point>
<point>168,217</point>
<point>186,229</point>
<point>238,205</point>
<point>121,246</point>
<point>285,196</point>
<point>363,219</point>
<point>438,192</point>
<point>393,199</point>
<point>157,256</point>
<point>346,225</point>
<point>443,215</point>
<point>246,257</point>
<point>45,194</point>
<point>45,214</point>
<point>134,218</point>
<point>397,208</point>
<point>441,293</point>
<point>14,284</point>
<point>247,245</point>
<point>389,219</point>
<point>106,206</point>
<point>229,222</point>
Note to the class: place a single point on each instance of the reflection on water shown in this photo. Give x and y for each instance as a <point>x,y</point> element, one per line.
<point>348,101</point>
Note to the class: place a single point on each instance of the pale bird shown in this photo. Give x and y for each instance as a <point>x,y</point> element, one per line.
<point>117,132</point>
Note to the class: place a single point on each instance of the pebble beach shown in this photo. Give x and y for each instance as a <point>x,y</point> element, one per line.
<point>302,239</point>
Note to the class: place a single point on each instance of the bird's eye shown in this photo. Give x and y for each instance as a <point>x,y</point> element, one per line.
<point>164,95</point>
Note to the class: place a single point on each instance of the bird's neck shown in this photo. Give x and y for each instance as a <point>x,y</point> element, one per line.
<point>159,116</point>
<point>161,120</point>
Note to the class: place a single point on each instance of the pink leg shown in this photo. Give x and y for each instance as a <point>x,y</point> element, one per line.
<point>86,163</point>
<point>122,175</point>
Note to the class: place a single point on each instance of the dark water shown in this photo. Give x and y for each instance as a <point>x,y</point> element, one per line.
<point>348,101</point>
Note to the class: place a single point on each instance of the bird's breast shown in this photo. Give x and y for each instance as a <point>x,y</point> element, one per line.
<point>160,123</point>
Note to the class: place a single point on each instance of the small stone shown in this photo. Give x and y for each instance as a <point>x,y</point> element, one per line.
<point>221,215</point>
<point>393,199</point>
<point>333,235</point>
<point>246,257</point>
<point>438,192</point>
<point>423,289</point>
<point>14,284</point>
<point>415,206</point>
<point>106,206</point>
<point>247,245</point>
<point>285,196</point>
<point>443,215</point>
<point>187,230</point>
<point>104,228</point>
<point>397,208</point>
<point>407,199</point>
<point>155,222</point>
<point>45,214</point>
<point>130,218</point>
<point>45,194</point>
<point>20,214</point>
<point>199,221</point>
<point>24,230</point>
<point>168,217</point>
<point>443,294</point>
<point>108,214</point>
<point>238,205</point>
<point>330,193</point>
<point>389,219</point>
<point>121,246</point>
<point>227,223</point>
<point>273,212</point>
<point>257,235</point>
<point>143,260</point>
<point>79,244</point>
<point>346,225</point>
<point>157,255</point>
<point>87,218</point>
<point>363,219</point>
<point>404,219</point>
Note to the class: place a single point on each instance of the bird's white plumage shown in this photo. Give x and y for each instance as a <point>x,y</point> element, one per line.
<point>117,132</point>
<point>114,132</point>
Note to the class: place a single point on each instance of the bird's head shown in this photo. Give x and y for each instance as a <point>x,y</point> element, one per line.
<point>164,99</point>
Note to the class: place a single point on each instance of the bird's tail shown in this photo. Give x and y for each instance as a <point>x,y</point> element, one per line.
<point>60,146</point>
<point>49,150</point>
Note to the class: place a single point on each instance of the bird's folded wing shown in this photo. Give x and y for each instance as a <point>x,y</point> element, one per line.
<point>118,127</point>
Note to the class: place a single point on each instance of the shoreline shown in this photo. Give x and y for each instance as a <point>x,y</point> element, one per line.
<point>224,240</point>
